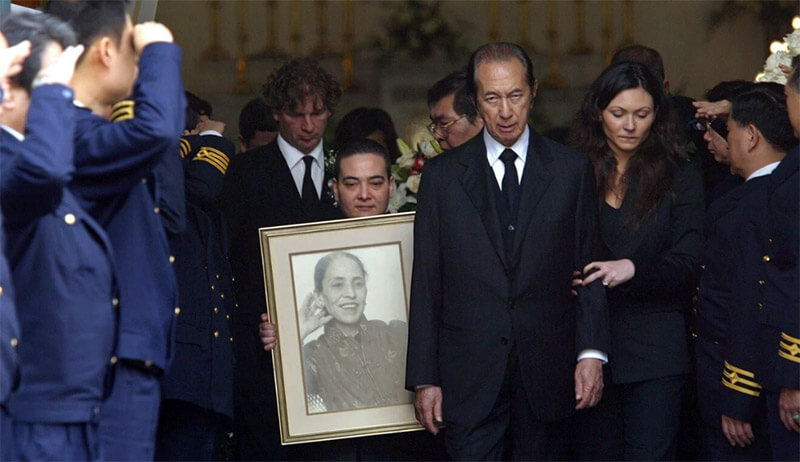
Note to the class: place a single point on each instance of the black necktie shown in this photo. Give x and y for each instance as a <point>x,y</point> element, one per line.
<point>510,180</point>
<point>309,191</point>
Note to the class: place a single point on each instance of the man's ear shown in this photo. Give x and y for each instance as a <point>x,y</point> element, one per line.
<point>391,186</point>
<point>105,49</point>
<point>335,188</point>
<point>276,115</point>
<point>753,137</point>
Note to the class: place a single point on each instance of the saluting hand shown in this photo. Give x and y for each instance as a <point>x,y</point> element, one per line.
<point>150,32</point>
<point>313,314</point>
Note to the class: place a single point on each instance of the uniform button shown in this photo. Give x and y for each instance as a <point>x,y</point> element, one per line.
<point>172,258</point>
<point>227,316</point>
<point>222,296</point>
<point>216,334</point>
<point>69,219</point>
<point>177,310</point>
<point>1,291</point>
<point>504,341</point>
<point>95,410</point>
<point>144,180</point>
<point>157,210</point>
<point>765,258</point>
<point>67,94</point>
<point>236,305</point>
<point>761,282</point>
<point>231,339</point>
<point>702,267</point>
<point>115,302</point>
<point>770,240</point>
<point>216,310</point>
<point>113,360</point>
<point>148,364</point>
<point>218,276</point>
<point>233,278</point>
<point>760,305</point>
<point>14,342</point>
<point>212,286</point>
<point>511,227</point>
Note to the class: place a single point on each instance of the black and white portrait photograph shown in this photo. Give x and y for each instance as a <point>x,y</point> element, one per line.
<point>352,323</point>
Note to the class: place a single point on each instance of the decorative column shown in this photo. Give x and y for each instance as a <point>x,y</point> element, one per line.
<point>271,49</point>
<point>581,45</point>
<point>295,28</point>
<point>214,51</point>
<point>322,48</point>
<point>347,43</point>
<point>627,24</point>
<point>241,85</point>
<point>607,32</point>
<point>554,79</point>
<point>494,24</point>
<point>524,23</point>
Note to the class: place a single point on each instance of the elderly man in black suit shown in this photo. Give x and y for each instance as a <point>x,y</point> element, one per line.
<point>281,183</point>
<point>495,334</point>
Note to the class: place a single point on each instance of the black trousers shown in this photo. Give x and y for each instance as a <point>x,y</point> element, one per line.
<point>510,431</point>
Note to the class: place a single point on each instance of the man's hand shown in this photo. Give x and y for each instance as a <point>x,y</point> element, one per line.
<point>149,32</point>
<point>738,432</point>
<point>789,406</point>
<point>588,383</point>
<point>266,331</point>
<point>11,60</point>
<point>707,110</point>
<point>428,407</point>
<point>207,124</point>
<point>60,70</point>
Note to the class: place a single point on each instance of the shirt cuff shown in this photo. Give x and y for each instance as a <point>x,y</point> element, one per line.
<point>594,354</point>
<point>210,132</point>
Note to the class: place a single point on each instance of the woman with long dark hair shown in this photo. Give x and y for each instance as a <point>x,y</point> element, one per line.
<point>651,215</point>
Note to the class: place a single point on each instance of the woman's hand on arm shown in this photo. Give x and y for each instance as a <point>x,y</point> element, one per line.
<point>611,273</point>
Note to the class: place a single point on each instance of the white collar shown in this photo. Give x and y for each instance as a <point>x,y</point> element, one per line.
<point>494,148</point>
<point>19,136</point>
<point>763,171</point>
<point>293,156</point>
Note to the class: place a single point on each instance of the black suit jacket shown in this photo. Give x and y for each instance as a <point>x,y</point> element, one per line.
<point>258,191</point>
<point>470,303</point>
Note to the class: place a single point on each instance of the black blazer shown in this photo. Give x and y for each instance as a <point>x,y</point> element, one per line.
<point>648,313</point>
<point>470,303</point>
<point>258,191</point>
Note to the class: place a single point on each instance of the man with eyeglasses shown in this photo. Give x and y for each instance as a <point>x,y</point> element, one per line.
<point>454,119</point>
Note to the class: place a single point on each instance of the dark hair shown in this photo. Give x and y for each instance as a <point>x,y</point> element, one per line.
<point>41,30</point>
<point>289,86</point>
<point>728,90</point>
<point>195,107</point>
<point>651,171</point>
<point>92,19</point>
<point>255,116</point>
<point>497,51</point>
<point>358,147</point>
<point>324,262</point>
<point>764,107</point>
<point>359,123</point>
<point>454,84</point>
<point>650,57</point>
<point>794,79</point>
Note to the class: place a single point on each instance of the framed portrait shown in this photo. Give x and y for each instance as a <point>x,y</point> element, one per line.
<point>338,294</point>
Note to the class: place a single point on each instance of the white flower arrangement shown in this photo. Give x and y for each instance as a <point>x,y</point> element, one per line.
<point>782,54</point>
<point>407,172</point>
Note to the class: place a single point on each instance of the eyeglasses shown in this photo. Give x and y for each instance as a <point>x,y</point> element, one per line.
<point>443,128</point>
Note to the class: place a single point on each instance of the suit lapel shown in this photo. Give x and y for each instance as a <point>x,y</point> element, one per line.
<point>535,180</point>
<point>476,182</point>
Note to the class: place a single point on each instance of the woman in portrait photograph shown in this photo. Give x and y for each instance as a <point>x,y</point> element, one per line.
<point>355,363</point>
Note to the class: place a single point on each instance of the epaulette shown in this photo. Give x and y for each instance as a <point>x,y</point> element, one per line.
<point>789,348</point>
<point>122,111</point>
<point>214,157</point>
<point>740,380</point>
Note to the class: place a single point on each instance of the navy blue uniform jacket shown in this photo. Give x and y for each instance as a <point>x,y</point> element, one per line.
<point>62,267</point>
<point>113,181</point>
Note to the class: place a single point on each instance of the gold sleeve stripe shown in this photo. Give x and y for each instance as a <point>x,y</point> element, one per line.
<point>732,368</point>
<point>216,152</point>
<point>212,162</point>
<point>734,378</point>
<point>221,158</point>
<point>122,111</point>
<point>789,338</point>
<point>789,351</point>
<point>746,391</point>
<point>185,147</point>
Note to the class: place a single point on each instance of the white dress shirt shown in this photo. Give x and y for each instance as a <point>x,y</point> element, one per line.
<point>763,171</point>
<point>294,159</point>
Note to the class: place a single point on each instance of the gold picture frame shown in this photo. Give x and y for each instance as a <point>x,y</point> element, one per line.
<point>323,392</point>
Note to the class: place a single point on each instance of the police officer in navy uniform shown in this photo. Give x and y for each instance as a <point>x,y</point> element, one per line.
<point>122,194</point>
<point>759,135</point>
<point>11,60</point>
<point>197,389</point>
<point>60,258</point>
